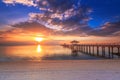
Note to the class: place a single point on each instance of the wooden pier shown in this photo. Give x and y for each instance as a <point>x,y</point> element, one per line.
<point>99,50</point>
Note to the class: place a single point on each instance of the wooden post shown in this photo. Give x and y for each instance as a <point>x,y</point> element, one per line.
<point>112,51</point>
<point>84,48</point>
<point>81,48</point>
<point>109,51</point>
<point>97,50</point>
<point>93,50</point>
<point>77,47</point>
<point>118,52</point>
<point>87,49</point>
<point>104,51</point>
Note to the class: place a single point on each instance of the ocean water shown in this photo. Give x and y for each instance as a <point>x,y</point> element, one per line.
<point>39,52</point>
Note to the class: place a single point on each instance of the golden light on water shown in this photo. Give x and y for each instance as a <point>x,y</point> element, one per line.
<point>39,49</point>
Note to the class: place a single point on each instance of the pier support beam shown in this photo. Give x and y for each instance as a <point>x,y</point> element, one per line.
<point>112,51</point>
<point>81,48</point>
<point>85,49</point>
<point>93,50</point>
<point>103,51</point>
<point>89,50</point>
<point>97,50</point>
<point>118,52</point>
<point>109,53</point>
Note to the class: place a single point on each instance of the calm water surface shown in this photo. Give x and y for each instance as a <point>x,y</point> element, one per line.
<point>38,52</point>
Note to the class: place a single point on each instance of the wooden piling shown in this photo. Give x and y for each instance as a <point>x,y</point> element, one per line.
<point>93,50</point>
<point>97,50</point>
<point>109,52</point>
<point>112,51</point>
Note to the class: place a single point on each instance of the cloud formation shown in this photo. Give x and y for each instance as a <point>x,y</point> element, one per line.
<point>24,2</point>
<point>35,27</point>
<point>108,29</point>
<point>63,17</point>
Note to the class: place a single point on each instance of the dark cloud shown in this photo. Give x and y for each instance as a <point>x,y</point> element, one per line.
<point>60,5</point>
<point>108,29</point>
<point>33,27</point>
<point>63,17</point>
<point>66,17</point>
<point>69,14</point>
<point>36,27</point>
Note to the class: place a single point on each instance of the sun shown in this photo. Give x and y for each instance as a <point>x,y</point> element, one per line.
<point>39,39</point>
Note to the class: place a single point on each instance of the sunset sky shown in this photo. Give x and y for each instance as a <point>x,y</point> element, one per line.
<point>59,20</point>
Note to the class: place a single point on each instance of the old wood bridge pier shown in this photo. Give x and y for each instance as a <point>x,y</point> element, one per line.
<point>99,50</point>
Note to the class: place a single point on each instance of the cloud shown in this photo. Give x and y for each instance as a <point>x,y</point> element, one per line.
<point>24,2</point>
<point>29,30</point>
<point>33,27</point>
<point>25,29</point>
<point>62,17</point>
<point>108,29</point>
<point>116,33</point>
<point>63,14</point>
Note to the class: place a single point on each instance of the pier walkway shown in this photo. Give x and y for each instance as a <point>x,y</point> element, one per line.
<point>100,50</point>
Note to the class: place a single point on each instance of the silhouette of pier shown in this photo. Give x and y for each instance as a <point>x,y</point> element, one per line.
<point>99,50</point>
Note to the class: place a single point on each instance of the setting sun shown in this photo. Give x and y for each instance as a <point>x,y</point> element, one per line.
<point>39,39</point>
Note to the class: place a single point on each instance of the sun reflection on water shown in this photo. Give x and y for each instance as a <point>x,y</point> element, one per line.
<point>39,49</point>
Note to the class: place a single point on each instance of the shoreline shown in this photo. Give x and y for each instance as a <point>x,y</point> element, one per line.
<point>59,60</point>
<point>61,70</point>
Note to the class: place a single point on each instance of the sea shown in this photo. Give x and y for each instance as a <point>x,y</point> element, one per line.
<point>40,52</point>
